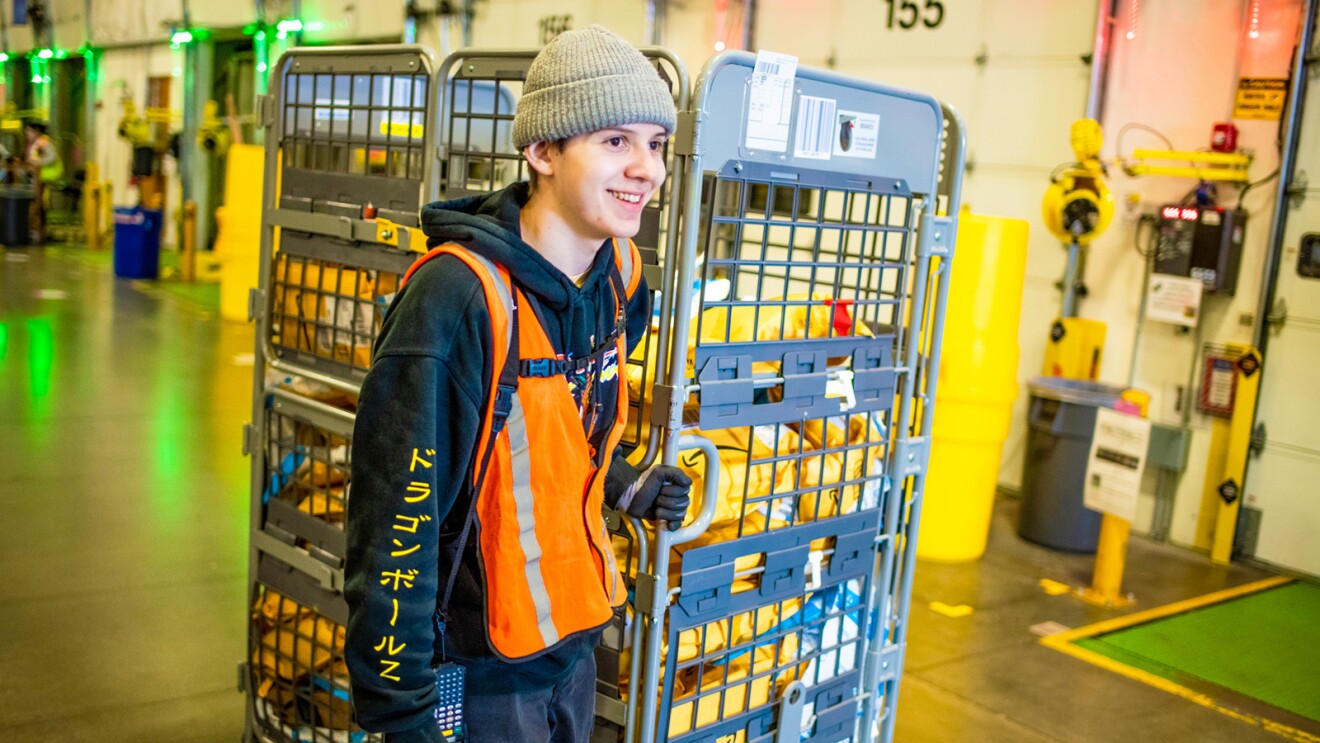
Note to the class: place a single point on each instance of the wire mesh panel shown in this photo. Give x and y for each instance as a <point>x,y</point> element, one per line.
<point>348,143</point>
<point>476,131</point>
<point>348,146</point>
<point>360,120</point>
<point>327,302</point>
<point>298,674</point>
<point>803,297</point>
<point>307,466</point>
<point>297,679</point>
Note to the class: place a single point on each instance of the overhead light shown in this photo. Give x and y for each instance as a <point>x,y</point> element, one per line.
<point>179,38</point>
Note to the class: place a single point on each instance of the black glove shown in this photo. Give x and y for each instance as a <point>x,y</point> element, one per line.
<point>660,493</point>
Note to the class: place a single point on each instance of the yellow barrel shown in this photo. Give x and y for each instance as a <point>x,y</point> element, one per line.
<point>978,384</point>
<point>238,229</point>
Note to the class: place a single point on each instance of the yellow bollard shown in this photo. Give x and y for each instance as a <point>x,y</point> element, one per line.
<point>1111,551</point>
<point>978,384</point>
<point>107,206</point>
<point>92,207</point>
<point>238,229</point>
<point>1229,489</point>
<point>188,262</point>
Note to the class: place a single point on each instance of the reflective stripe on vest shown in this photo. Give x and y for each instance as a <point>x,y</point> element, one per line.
<point>523,497</point>
<point>542,536</point>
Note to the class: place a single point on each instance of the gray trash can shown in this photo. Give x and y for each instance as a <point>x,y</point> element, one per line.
<point>15,201</point>
<point>1061,423</point>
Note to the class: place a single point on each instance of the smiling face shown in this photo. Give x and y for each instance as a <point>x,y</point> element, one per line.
<point>598,183</point>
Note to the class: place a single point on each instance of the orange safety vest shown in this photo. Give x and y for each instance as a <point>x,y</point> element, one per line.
<point>543,553</point>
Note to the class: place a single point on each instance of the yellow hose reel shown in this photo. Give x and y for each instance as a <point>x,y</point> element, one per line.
<point>1078,206</point>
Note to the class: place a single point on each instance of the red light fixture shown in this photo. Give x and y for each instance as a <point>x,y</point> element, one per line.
<point>1185,213</point>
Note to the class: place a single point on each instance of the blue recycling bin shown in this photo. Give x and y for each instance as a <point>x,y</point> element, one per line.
<point>137,242</point>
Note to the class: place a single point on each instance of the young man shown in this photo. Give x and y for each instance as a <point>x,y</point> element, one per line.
<point>511,577</point>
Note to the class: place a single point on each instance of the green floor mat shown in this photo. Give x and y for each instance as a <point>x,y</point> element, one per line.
<point>1265,646</point>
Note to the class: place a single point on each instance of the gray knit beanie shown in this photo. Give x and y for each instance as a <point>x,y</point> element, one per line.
<point>587,80</point>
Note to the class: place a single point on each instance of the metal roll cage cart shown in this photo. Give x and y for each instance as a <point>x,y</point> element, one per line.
<point>348,163</point>
<point>822,347</point>
<point>811,376</point>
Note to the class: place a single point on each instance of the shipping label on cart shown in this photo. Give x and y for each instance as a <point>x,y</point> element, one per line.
<point>857,134</point>
<point>770,102</point>
<point>815,128</point>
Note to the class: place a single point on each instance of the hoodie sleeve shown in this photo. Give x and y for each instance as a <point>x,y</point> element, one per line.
<point>417,416</point>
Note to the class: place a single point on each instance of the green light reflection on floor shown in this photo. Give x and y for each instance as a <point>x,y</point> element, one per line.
<point>170,428</point>
<point>41,355</point>
<point>4,340</point>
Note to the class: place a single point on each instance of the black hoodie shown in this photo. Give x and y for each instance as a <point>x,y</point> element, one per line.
<point>421,405</point>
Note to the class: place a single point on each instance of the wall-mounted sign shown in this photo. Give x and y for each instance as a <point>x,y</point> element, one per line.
<point>1174,299</point>
<point>907,15</point>
<point>1260,98</point>
<point>551,26</point>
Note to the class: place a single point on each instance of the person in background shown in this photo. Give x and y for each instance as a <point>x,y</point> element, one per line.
<point>481,551</point>
<point>43,162</point>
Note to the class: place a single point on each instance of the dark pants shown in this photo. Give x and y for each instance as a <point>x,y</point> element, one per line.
<point>564,713</point>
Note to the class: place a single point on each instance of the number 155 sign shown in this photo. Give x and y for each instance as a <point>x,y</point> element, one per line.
<point>908,14</point>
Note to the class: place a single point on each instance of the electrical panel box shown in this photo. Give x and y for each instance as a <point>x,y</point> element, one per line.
<point>1202,242</point>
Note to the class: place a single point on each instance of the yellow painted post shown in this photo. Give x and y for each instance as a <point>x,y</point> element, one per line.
<point>1220,430</point>
<point>238,229</point>
<point>1235,463</point>
<point>92,206</point>
<point>1075,349</point>
<point>1111,551</point>
<point>1106,587</point>
<point>189,259</point>
<point>108,205</point>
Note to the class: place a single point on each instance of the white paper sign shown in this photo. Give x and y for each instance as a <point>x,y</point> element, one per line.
<point>1117,459</point>
<point>1221,382</point>
<point>1174,299</point>
<point>770,104</point>
<point>856,134</point>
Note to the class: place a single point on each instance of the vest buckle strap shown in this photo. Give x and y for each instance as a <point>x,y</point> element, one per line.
<point>503,407</point>
<point>545,367</point>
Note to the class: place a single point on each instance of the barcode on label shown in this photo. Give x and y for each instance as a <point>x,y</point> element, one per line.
<point>766,67</point>
<point>815,128</point>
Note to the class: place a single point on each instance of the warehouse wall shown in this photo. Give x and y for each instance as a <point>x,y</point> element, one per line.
<point>1178,74</point>
<point>1016,69</point>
